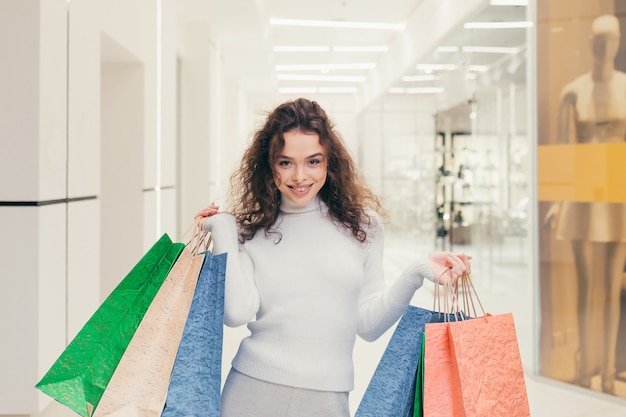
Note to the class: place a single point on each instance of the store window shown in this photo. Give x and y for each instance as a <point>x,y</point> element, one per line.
<point>581,59</point>
<point>448,145</point>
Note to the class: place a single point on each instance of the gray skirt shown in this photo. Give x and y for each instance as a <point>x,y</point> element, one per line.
<point>250,397</point>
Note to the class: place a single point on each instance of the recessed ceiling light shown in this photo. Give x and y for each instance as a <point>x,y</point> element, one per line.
<point>509,2</point>
<point>338,78</point>
<point>498,25</point>
<point>491,49</point>
<point>428,68</point>
<point>322,48</point>
<point>416,90</point>
<point>447,49</point>
<point>297,90</point>
<point>414,78</point>
<point>282,48</point>
<point>337,24</point>
<point>313,90</point>
<point>478,68</point>
<point>480,49</point>
<point>360,49</point>
<point>324,67</point>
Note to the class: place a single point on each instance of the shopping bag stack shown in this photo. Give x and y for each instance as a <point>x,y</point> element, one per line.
<point>139,344</point>
<point>452,361</point>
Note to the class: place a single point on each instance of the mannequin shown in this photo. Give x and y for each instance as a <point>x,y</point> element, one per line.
<point>596,103</point>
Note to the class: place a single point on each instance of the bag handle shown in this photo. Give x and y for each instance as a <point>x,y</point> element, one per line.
<point>454,303</point>
<point>200,240</point>
<point>470,295</point>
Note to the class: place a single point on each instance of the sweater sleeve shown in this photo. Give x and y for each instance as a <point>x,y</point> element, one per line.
<point>381,304</point>
<point>241,297</point>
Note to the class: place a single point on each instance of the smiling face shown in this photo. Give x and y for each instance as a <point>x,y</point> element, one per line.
<point>300,168</point>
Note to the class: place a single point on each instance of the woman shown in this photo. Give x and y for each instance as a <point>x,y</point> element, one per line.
<point>304,238</point>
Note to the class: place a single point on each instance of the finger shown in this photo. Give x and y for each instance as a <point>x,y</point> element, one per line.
<point>444,276</point>
<point>457,267</point>
<point>465,259</point>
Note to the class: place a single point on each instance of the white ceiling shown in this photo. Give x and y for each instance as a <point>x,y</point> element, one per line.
<point>247,38</point>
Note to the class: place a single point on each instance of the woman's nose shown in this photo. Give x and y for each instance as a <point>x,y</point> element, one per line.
<point>298,174</point>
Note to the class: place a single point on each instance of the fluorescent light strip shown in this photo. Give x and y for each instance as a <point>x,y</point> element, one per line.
<point>324,67</point>
<point>478,68</point>
<point>436,67</point>
<point>314,90</point>
<point>360,49</point>
<point>416,90</point>
<point>339,78</point>
<point>414,78</point>
<point>491,49</point>
<point>429,68</point>
<point>320,48</point>
<point>448,49</point>
<point>336,24</point>
<point>301,49</point>
<point>509,2</point>
<point>480,49</point>
<point>498,25</point>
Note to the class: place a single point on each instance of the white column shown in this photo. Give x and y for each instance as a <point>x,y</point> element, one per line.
<point>33,196</point>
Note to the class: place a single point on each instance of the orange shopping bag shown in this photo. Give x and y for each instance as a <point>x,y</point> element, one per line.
<point>472,368</point>
<point>486,357</point>
<point>442,391</point>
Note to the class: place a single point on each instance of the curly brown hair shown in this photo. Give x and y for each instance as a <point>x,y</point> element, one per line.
<point>254,198</point>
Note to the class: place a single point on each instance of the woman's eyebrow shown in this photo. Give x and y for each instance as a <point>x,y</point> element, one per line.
<point>315,155</point>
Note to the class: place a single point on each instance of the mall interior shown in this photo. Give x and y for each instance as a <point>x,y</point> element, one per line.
<point>119,120</point>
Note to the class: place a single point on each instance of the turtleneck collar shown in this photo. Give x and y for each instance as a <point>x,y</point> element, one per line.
<point>289,207</point>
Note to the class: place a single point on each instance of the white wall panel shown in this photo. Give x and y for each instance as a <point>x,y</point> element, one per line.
<point>122,200</point>
<point>83,263</point>
<point>133,25</point>
<point>150,233</point>
<point>169,214</point>
<point>51,326</point>
<point>32,302</point>
<point>18,301</point>
<point>19,110</point>
<point>52,99</point>
<point>84,100</point>
<point>195,130</point>
<point>168,119</point>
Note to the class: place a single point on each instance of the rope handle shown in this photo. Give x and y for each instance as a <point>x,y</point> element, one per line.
<point>459,299</point>
<point>200,240</point>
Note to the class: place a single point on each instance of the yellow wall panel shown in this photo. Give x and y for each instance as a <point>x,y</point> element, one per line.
<point>582,172</point>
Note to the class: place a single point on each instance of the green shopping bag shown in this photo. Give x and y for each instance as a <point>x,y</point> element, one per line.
<point>81,373</point>
<point>418,408</point>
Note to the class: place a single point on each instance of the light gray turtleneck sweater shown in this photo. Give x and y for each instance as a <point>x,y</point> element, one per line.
<point>307,297</point>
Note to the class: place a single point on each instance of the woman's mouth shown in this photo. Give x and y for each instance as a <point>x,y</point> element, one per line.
<point>300,190</point>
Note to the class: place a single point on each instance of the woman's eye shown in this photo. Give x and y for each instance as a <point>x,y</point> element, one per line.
<point>283,163</point>
<point>314,161</point>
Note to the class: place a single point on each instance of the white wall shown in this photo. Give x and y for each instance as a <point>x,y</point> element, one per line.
<point>59,180</point>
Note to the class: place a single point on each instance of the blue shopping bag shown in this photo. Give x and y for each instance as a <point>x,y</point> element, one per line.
<point>391,391</point>
<point>194,388</point>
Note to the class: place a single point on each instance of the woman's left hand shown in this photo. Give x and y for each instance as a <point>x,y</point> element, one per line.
<point>448,267</point>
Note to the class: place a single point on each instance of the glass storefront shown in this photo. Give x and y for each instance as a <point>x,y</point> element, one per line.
<point>582,202</point>
<point>452,149</point>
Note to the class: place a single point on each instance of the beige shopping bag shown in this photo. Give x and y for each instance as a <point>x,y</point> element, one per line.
<point>138,387</point>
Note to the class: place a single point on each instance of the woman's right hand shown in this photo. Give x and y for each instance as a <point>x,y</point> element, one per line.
<point>209,211</point>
